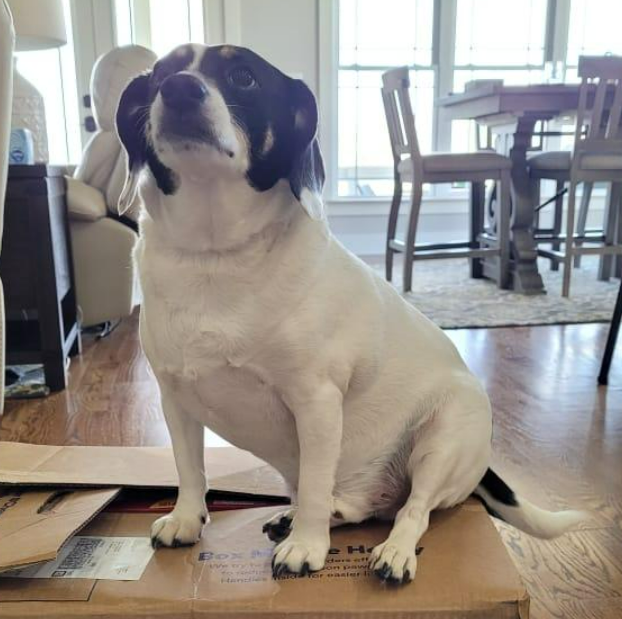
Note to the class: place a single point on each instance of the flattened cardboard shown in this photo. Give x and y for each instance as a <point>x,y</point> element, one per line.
<point>28,536</point>
<point>228,469</point>
<point>463,571</point>
<point>35,525</point>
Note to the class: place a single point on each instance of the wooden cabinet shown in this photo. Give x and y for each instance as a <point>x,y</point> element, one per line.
<point>37,273</point>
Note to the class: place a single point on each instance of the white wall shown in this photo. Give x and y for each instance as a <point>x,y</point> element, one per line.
<point>285,32</point>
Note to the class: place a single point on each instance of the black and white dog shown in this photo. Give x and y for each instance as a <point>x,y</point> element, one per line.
<point>261,326</point>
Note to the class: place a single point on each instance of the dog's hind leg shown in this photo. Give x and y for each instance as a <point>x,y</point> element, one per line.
<point>450,455</point>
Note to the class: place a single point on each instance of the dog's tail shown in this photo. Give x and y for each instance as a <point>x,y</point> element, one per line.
<point>501,502</point>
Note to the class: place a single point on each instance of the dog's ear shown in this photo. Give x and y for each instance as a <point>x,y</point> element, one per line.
<point>132,115</point>
<point>306,177</point>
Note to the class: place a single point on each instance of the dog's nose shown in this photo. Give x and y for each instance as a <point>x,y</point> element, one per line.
<point>182,91</point>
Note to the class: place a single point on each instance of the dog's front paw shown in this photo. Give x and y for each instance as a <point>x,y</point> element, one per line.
<point>279,526</point>
<point>179,528</point>
<point>300,554</point>
<point>393,565</point>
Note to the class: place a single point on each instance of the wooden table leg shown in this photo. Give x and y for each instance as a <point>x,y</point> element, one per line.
<point>524,259</point>
<point>44,217</point>
<point>52,339</point>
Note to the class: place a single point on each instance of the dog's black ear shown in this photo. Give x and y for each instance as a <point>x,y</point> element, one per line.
<point>132,115</point>
<point>306,177</point>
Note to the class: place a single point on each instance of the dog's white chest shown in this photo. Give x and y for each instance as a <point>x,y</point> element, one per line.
<point>206,364</point>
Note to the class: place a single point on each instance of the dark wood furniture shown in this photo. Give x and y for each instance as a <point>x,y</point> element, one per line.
<point>37,272</point>
<point>512,112</point>
<point>603,376</point>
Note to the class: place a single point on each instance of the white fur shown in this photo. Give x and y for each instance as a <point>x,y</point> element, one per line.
<point>532,519</point>
<point>261,326</point>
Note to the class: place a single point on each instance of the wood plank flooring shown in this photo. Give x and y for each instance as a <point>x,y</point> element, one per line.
<point>558,440</point>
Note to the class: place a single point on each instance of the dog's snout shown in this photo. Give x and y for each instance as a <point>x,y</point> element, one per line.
<point>183,91</point>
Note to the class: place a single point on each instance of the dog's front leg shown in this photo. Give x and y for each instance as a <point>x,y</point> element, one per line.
<point>319,421</point>
<point>184,524</point>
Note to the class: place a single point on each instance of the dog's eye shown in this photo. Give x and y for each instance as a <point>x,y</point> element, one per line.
<point>241,77</point>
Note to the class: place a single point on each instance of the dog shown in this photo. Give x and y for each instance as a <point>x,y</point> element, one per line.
<point>260,325</point>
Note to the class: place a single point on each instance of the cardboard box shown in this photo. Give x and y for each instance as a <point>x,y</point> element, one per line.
<point>464,571</point>
<point>229,469</point>
<point>35,524</point>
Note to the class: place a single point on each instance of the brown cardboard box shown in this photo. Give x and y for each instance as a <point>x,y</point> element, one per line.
<point>35,524</point>
<point>464,571</point>
<point>229,469</point>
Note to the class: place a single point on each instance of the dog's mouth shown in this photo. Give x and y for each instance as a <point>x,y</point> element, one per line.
<point>185,127</point>
<point>189,131</point>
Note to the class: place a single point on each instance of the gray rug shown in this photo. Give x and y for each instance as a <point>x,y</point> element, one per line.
<point>443,291</point>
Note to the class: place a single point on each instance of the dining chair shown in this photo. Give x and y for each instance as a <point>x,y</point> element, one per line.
<point>555,166</point>
<point>596,157</point>
<point>410,166</point>
<point>603,376</point>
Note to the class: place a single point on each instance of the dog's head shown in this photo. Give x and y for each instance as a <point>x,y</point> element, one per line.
<point>221,110</point>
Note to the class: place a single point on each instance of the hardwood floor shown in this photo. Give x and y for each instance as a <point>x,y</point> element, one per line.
<point>558,440</point>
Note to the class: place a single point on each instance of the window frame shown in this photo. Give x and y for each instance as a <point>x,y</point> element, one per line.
<point>443,65</point>
<point>140,21</point>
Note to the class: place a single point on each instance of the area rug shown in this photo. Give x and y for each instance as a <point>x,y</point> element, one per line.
<point>443,291</point>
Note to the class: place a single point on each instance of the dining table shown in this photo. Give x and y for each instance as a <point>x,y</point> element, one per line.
<point>512,113</point>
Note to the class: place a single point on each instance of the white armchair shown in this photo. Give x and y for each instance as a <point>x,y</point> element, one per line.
<point>7,42</point>
<point>106,284</point>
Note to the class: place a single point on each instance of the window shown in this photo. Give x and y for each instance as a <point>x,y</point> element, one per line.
<point>53,73</point>
<point>594,29</point>
<point>446,45</point>
<point>371,40</point>
<point>487,49</point>
<point>160,25</point>
<point>124,22</point>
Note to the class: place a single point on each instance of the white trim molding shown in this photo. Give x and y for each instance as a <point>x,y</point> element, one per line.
<point>362,226</point>
<point>328,36</point>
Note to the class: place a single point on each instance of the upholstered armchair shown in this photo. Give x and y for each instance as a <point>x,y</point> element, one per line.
<point>7,41</point>
<point>106,283</point>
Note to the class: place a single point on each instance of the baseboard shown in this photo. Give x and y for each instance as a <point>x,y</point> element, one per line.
<point>363,230</point>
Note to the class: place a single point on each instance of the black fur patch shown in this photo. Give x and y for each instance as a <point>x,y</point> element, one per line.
<point>276,106</point>
<point>498,489</point>
<point>133,114</point>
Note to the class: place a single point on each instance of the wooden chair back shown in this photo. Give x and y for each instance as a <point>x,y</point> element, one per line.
<point>600,105</point>
<point>399,114</point>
